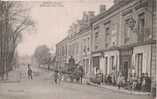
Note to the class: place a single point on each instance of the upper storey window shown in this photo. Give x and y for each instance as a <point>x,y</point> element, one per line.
<point>141,26</point>
<point>96,40</point>
<point>127,32</point>
<point>96,27</point>
<point>96,35</point>
<point>107,36</point>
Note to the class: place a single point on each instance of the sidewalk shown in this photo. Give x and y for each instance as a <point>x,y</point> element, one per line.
<point>121,90</point>
<point>13,76</point>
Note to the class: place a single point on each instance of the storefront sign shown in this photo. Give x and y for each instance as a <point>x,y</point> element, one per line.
<point>126,52</point>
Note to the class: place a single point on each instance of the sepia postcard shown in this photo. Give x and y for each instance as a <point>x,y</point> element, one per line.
<point>78,49</point>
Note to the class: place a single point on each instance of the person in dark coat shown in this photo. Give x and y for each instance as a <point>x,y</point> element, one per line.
<point>55,76</point>
<point>148,83</point>
<point>71,61</point>
<point>30,76</point>
<point>109,79</point>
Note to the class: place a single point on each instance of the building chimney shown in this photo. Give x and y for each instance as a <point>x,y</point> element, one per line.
<point>102,8</point>
<point>91,14</point>
<point>85,16</point>
<point>117,1</point>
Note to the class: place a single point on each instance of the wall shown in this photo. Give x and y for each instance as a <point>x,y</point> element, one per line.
<point>153,62</point>
<point>61,52</point>
<point>113,22</point>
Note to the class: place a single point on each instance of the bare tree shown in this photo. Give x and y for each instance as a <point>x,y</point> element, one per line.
<point>14,20</point>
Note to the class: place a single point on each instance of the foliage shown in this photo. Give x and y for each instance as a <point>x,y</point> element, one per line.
<point>42,55</point>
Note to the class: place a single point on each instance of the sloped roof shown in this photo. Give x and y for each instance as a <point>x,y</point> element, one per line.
<point>111,10</point>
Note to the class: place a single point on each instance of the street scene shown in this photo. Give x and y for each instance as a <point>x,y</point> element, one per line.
<point>43,87</point>
<point>97,49</point>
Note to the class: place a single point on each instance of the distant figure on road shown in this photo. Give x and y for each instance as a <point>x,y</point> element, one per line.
<point>30,76</point>
<point>55,76</point>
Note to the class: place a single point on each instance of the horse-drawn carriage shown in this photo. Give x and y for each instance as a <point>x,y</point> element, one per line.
<point>74,71</point>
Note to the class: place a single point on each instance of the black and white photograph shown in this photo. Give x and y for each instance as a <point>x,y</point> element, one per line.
<point>78,49</point>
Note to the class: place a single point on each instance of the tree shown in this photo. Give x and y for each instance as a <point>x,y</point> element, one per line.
<point>14,20</point>
<point>42,55</point>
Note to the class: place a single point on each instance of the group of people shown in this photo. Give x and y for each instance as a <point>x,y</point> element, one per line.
<point>110,79</point>
<point>142,83</point>
<point>57,77</point>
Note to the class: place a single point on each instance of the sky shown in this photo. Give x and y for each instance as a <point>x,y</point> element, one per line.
<point>53,21</point>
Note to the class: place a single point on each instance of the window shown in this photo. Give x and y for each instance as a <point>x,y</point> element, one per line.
<point>126,31</point>
<point>88,44</point>
<point>87,65</point>
<point>96,40</point>
<point>97,27</point>
<point>96,35</point>
<point>139,60</point>
<point>107,30</point>
<point>113,43</point>
<point>141,25</point>
<point>65,50</point>
<point>84,45</point>
<point>112,62</point>
<point>106,64</point>
<point>96,62</point>
<point>61,51</point>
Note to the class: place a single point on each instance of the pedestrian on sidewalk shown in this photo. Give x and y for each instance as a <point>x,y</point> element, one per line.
<point>148,83</point>
<point>120,80</point>
<point>56,77</point>
<point>134,84</point>
<point>59,77</point>
<point>109,79</point>
<point>30,76</point>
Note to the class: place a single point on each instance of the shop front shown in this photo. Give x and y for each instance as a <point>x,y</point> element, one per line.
<point>96,62</point>
<point>142,59</point>
<point>86,64</point>
<point>111,59</point>
<point>125,62</point>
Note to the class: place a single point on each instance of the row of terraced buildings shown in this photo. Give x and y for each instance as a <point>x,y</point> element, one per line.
<point>119,39</point>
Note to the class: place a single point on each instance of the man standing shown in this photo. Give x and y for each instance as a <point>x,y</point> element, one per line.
<point>55,76</point>
<point>30,76</point>
<point>71,61</point>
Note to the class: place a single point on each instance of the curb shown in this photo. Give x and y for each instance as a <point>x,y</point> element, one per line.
<point>127,91</point>
<point>121,90</point>
<point>10,81</point>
